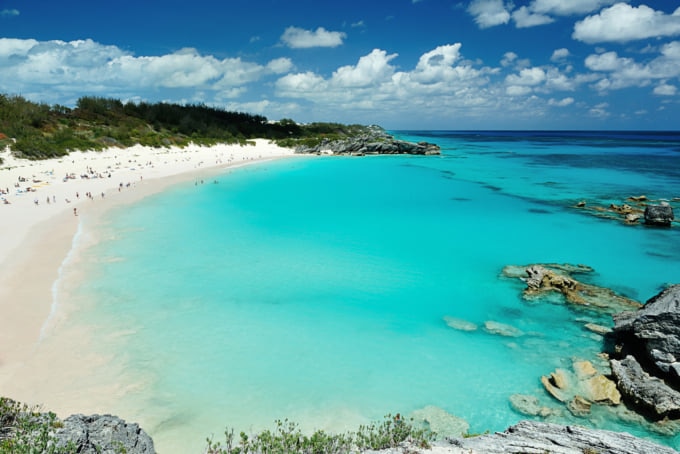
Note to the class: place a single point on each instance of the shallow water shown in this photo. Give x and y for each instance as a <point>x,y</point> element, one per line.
<point>316,289</point>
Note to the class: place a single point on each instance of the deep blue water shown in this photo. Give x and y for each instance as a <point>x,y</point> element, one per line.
<point>316,289</point>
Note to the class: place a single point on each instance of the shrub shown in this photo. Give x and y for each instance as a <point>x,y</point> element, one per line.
<point>288,438</point>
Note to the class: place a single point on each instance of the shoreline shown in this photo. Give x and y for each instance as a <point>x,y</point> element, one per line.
<point>40,233</point>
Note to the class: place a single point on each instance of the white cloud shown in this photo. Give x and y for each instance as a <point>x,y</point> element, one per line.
<point>625,72</point>
<point>600,110</point>
<point>568,7</point>
<point>559,54</point>
<point>623,22</point>
<point>298,38</point>
<point>527,77</point>
<point>280,65</point>
<point>508,58</point>
<point>489,13</point>
<point>516,90</point>
<point>371,69</point>
<point>441,81</point>
<point>664,89</point>
<point>75,68</point>
<point>524,18</point>
<point>561,102</point>
<point>9,12</point>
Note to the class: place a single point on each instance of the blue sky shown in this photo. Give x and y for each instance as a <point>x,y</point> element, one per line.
<point>403,64</point>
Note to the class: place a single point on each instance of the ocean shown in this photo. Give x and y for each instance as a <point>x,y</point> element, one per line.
<point>317,289</point>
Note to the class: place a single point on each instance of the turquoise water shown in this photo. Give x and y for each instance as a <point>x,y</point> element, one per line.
<point>315,289</point>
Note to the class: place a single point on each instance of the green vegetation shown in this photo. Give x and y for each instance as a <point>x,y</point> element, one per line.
<point>40,131</point>
<point>25,430</point>
<point>287,438</point>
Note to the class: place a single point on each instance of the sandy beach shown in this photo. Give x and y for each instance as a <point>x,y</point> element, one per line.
<point>41,208</point>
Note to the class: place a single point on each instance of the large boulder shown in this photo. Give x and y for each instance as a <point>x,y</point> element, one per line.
<point>648,394</point>
<point>104,434</point>
<point>661,214</point>
<point>652,335</point>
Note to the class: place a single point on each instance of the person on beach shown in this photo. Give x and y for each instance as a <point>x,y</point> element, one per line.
<point>75,211</point>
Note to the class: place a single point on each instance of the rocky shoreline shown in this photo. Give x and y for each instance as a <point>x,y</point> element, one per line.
<point>106,434</point>
<point>636,378</point>
<point>375,142</point>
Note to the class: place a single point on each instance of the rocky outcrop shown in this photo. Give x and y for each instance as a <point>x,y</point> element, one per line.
<point>652,335</point>
<point>647,393</point>
<point>654,212</point>
<point>104,434</point>
<point>661,214</point>
<point>645,346</point>
<point>539,437</point>
<point>545,279</point>
<point>375,142</point>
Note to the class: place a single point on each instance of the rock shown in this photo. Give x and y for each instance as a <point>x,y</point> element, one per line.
<point>632,218</point>
<point>581,203</point>
<point>560,379</point>
<point>104,434</point>
<point>598,329</point>
<point>545,280</point>
<point>553,389</point>
<point>460,324</point>
<point>502,329</point>
<point>441,422</point>
<point>579,407</point>
<point>602,390</point>
<point>530,406</point>
<point>540,437</point>
<point>652,334</point>
<point>584,369</point>
<point>661,215</point>
<point>640,198</point>
<point>376,141</point>
<point>648,394</point>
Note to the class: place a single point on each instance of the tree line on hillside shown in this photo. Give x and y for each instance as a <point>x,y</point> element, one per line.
<point>39,131</point>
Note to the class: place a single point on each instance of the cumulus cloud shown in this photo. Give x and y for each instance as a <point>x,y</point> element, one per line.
<point>371,69</point>
<point>524,18</point>
<point>527,77</point>
<point>508,58</point>
<point>664,89</point>
<point>559,54</point>
<point>568,7</point>
<point>561,102</point>
<point>623,23</point>
<point>489,13</point>
<point>600,110</point>
<point>85,66</point>
<point>9,12</point>
<point>298,38</point>
<point>440,81</point>
<point>622,72</point>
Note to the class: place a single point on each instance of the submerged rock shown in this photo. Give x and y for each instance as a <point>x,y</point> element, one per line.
<point>443,423</point>
<point>530,406</point>
<point>544,280</point>
<point>460,324</point>
<point>502,329</point>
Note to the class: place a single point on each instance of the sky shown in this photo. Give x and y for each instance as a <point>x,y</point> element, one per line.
<point>401,64</point>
